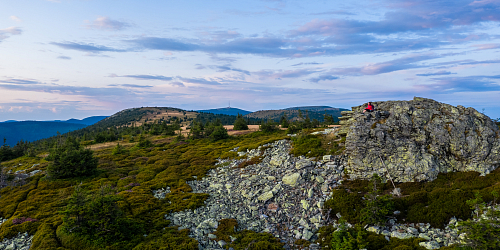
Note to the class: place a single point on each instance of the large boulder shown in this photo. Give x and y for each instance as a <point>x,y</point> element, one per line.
<point>418,139</point>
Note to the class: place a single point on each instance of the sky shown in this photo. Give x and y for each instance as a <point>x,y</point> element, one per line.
<point>62,59</point>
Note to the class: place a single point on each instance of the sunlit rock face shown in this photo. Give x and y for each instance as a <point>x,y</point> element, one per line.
<point>418,139</point>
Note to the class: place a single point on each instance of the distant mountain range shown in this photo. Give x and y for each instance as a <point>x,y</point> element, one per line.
<point>86,121</point>
<point>14,131</point>
<point>225,111</point>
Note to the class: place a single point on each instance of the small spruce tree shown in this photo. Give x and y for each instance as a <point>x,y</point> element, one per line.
<point>240,123</point>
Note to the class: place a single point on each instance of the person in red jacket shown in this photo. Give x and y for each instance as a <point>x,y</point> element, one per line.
<point>369,107</point>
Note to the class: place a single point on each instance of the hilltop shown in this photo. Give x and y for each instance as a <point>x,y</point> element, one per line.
<point>314,112</point>
<point>261,190</point>
<point>226,111</point>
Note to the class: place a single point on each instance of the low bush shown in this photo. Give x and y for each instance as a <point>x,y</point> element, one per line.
<point>97,217</point>
<point>357,238</point>
<point>245,239</point>
<point>240,123</point>
<point>308,145</point>
<point>71,162</point>
<point>268,127</point>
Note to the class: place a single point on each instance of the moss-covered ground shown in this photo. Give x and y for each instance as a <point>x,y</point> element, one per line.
<point>134,173</point>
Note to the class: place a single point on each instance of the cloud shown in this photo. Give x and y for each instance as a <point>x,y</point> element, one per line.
<point>15,18</point>
<point>178,84</point>
<point>133,86</point>
<point>156,43</point>
<point>406,62</point>
<point>20,81</point>
<point>487,46</point>
<point>65,89</point>
<point>198,81</point>
<point>307,63</point>
<point>218,36</point>
<point>337,12</point>
<point>146,77</point>
<point>270,74</point>
<point>439,73</point>
<point>64,57</point>
<point>478,83</point>
<point>228,68</point>
<point>6,33</point>
<point>104,23</point>
<point>323,78</point>
<point>85,47</point>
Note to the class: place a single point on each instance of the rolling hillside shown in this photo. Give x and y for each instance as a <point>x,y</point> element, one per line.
<point>226,111</point>
<point>314,112</point>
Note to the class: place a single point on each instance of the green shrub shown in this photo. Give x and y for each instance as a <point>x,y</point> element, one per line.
<point>71,161</point>
<point>97,217</point>
<point>219,133</point>
<point>485,232</point>
<point>240,123</point>
<point>245,239</point>
<point>345,239</point>
<point>268,127</point>
<point>377,207</point>
<point>308,145</point>
<point>144,143</point>
<point>118,150</point>
<point>347,204</point>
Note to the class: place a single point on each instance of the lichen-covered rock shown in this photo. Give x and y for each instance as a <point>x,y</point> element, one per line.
<point>291,179</point>
<point>418,139</point>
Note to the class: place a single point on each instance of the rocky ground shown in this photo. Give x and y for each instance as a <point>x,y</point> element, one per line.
<point>21,242</point>
<point>282,195</point>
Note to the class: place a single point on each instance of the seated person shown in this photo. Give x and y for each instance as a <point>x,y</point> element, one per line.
<point>369,108</point>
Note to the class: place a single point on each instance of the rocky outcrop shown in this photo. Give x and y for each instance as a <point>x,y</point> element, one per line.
<point>418,139</point>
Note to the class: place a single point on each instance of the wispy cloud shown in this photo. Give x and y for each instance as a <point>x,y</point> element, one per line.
<point>65,89</point>
<point>7,32</point>
<point>105,23</point>
<point>15,18</point>
<point>279,74</point>
<point>198,81</point>
<point>439,73</point>
<point>64,57</point>
<point>222,68</point>
<point>478,83</point>
<point>406,62</point>
<point>90,47</point>
<point>486,46</point>
<point>323,78</point>
<point>131,85</point>
<point>306,63</point>
<point>20,81</point>
<point>334,12</point>
<point>146,77</point>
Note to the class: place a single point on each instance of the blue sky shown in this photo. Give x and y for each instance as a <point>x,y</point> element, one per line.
<point>64,59</point>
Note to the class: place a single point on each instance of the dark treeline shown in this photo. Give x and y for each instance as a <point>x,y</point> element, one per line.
<point>224,119</point>
<point>21,148</point>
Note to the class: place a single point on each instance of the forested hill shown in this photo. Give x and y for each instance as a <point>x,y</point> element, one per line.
<point>226,111</point>
<point>33,130</point>
<point>294,114</point>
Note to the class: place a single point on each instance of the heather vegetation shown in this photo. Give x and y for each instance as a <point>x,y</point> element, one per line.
<point>114,206</point>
